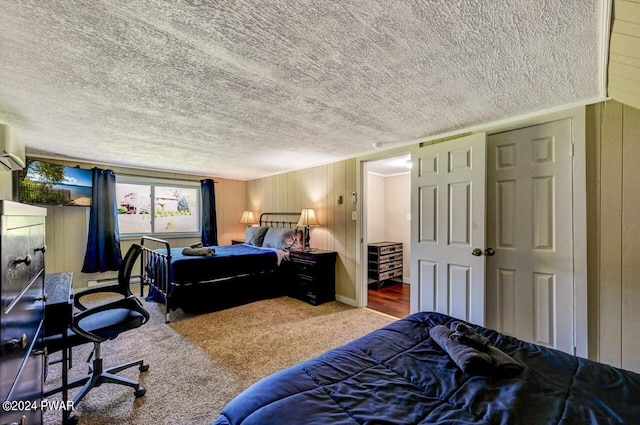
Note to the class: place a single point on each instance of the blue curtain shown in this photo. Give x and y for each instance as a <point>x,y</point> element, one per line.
<point>103,245</point>
<point>209,221</point>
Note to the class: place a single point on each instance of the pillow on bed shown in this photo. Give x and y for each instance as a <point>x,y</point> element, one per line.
<point>255,235</point>
<point>282,238</point>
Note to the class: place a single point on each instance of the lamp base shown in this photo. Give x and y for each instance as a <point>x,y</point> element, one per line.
<point>306,238</point>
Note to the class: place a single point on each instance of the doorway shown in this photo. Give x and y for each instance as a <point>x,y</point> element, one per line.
<point>387,233</point>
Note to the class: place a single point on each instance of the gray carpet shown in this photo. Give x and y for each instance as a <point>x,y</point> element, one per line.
<point>198,363</point>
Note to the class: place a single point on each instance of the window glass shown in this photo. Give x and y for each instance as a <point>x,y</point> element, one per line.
<point>175,208</point>
<point>134,208</point>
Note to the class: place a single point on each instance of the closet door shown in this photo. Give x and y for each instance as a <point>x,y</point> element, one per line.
<point>530,281</point>
<point>448,229</point>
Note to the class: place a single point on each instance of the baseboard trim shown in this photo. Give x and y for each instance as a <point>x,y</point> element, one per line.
<point>347,301</point>
<point>135,281</point>
<point>381,313</point>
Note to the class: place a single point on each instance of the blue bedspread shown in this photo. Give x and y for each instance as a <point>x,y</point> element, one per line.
<point>229,260</point>
<point>399,375</point>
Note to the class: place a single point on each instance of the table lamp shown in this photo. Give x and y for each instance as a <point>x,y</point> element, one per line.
<point>307,218</point>
<point>248,218</point>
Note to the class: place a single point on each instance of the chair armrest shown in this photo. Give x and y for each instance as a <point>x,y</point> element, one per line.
<point>129,303</point>
<point>106,289</point>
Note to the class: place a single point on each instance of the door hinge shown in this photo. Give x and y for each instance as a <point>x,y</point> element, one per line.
<point>571,150</point>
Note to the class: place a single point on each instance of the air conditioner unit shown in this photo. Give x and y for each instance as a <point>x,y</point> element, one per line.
<point>11,150</point>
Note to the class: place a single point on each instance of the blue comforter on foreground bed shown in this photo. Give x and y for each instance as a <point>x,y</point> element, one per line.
<point>399,375</point>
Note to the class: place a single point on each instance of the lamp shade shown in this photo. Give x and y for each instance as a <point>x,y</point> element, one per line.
<point>248,217</point>
<point>308,218</point>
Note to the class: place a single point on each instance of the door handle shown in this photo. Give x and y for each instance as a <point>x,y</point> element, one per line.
<point>477,252</point>
<point>27,260</point>
<point>489,252</point>
<point>17,343</point>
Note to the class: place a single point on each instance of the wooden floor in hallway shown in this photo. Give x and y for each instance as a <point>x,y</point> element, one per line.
<point>392,298</point>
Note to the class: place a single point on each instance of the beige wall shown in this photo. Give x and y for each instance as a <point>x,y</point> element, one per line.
<point>397,227</point>
<point>6,187</point>
<point>319,188</point>
<point>388,203</point>
<point>624,53</point>
<point>613,190</point>
<point>375,199</point>
<point>66,227</point>
<point>6,191</point>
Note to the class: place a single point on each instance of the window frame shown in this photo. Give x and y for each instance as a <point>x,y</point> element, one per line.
<point>162,182</point>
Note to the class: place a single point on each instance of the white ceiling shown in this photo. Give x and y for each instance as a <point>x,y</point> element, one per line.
<point>390,166</point>
<point>244,89</point>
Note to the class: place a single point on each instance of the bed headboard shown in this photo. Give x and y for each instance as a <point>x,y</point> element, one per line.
<point>280,219</point>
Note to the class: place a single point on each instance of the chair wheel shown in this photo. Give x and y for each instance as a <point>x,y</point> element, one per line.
<point>144,368</point>
<point>139,392</point>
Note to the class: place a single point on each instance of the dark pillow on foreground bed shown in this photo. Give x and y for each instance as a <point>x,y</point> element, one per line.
<point>255,235</point>
<point>283,238</point>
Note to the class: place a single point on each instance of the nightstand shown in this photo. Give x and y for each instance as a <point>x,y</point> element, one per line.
<point>314,276</point>
<point>236,241</point>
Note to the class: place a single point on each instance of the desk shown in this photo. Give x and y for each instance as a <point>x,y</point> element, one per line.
<point>58,309</point>
<point>58,315</point>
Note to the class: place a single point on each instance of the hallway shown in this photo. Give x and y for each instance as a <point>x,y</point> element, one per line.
<point>392,299</point>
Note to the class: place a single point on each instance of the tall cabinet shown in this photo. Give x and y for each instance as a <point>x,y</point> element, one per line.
<point>22,252</point>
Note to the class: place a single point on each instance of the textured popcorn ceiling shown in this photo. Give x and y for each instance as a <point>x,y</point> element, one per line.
<point>243,89</point>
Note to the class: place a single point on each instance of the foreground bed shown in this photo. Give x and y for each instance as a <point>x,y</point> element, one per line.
<point>399,375</point>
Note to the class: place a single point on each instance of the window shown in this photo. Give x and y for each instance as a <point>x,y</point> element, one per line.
<point>175,209</point>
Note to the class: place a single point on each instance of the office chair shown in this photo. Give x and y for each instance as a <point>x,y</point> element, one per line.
<point>122,287</point>
<point>124,279</point>
<point>96,325</point>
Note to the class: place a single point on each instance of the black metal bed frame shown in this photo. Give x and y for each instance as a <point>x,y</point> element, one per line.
<point>265,219</point>
<point>157,252</point>
<point>161,260</point>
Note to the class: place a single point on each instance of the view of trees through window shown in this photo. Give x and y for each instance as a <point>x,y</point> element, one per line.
<point>175,209</point>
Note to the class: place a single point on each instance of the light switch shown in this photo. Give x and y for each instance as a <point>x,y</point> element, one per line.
<point>408,217</point>
<point>354,215</point>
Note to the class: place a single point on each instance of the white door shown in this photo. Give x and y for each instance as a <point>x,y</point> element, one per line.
<point>530,227</point>
<point>448,210</point>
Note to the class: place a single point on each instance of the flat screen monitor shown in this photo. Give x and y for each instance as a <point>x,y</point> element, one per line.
<point>53,184</point>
